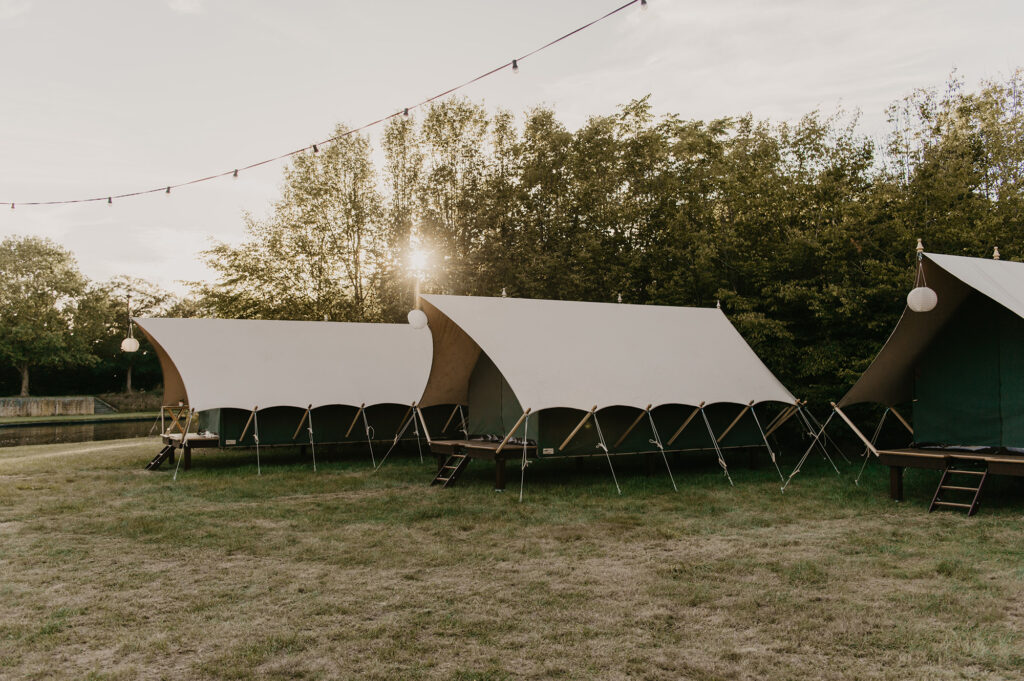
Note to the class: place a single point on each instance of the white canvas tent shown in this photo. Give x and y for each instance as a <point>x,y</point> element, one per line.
<point>268,369</point>
<point>593,357</point>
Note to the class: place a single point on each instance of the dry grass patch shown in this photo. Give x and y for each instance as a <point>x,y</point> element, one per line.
<point>110,572</point>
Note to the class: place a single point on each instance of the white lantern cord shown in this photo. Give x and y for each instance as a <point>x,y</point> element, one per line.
<point>921,298</point>
<point>130,344</point>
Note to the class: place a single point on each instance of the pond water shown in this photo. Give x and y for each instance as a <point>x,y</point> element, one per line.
<point>13,436</point>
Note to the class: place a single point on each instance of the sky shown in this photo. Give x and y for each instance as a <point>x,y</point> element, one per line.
<point>112,96</point>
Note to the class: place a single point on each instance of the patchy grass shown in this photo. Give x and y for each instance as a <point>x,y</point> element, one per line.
<point>111,572</point>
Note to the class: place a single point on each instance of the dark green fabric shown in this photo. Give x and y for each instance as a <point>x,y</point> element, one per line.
<point>968,382</point>
<point>493,407</point>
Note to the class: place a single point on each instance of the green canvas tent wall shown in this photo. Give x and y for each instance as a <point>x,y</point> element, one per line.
<point>960,366</point>
<point>352,382</point>
<point>628,375</point>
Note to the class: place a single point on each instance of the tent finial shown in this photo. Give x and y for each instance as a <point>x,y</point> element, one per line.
<point>718,304</point>
<point>503,294</point>
<point>920,246</point>
<point>995,253</point>
<point>620,297</point>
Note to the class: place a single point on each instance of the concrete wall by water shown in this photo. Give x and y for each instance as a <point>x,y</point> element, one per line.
<point>46,406</point>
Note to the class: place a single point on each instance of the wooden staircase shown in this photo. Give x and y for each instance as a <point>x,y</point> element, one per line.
<point>961,485</point>
<point>165,453</point>
<point>451,470</point>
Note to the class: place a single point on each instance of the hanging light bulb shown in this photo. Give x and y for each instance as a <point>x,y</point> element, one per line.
<point>405,112</point>
<point>921,298</point>
<point>315,149</point>
<point>515,66</point>
<point>110,200</point>
<point>643,4</point>
<point>168,190</point>
<point>12,206</point>
<point>417,319</point>
<point>235,174</point>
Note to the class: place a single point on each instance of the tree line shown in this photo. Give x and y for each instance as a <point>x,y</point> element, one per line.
<point>803,231</point>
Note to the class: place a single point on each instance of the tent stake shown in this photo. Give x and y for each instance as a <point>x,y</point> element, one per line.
<point>607,454</point>
<point>184,439</point>
<point>768,446</point>
<point>355,419</point>
<point>874,439</point>
<point>689,418</point>
<point>807,453</point>
<point>721,459</point>
<point>577,428</point>
<point>631,427</point>
<point>657,443</point>
<point>312,447</point>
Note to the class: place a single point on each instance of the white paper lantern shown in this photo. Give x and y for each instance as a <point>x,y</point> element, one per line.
<point>129,345</point>
<point>417,319</point>
<point>922,299</point>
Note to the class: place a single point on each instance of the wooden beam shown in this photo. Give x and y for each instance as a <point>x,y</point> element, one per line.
<point>689,418</point>
<point>786,415</point>
<point>354,419</point>
<point>424,423</point>
<point>855,429</point>
<point>449,421</point>
<point>303,420</point>
<point>734,422</point>
<point>248,423</point>
<point>577,428</point>
<point>631,427</point>
<point>901,419</point>
<point>509,436</point>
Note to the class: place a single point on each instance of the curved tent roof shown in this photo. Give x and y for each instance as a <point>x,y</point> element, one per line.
<point>573,354</point>
<point>889,380</point>
<point>242,363</point>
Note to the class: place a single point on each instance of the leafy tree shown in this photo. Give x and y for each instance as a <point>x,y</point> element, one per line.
<point>39,287</point>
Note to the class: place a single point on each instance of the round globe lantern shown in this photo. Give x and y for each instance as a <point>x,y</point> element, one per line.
<point>129,345</point>
<point>417,319</point>
<point>922,299</point>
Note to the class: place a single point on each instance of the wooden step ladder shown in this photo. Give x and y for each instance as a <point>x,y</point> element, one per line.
<point>961,486</point>
<point>451,470</point>
<point>165,453</point>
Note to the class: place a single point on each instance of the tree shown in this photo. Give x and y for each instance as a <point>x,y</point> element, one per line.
<point>39,288</point>
<point>316,255</point>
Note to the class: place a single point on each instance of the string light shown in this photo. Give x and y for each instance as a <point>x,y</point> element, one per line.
<point>315,147</point>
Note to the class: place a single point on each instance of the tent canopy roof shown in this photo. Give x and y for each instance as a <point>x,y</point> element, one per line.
<point>889,380</point>
<point>241,363</point>
<point>577,355</point>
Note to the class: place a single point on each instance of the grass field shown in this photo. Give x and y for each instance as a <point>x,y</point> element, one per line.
<point>111,572</point>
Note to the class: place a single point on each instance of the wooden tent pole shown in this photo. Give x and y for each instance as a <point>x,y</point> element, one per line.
<point>631,427</point>
<point>449,421</point>
<point>901,419</point>
<point>509,436</point>
<point>781,418</point>
<point>301,421</point>
<point>734,422</point>
<point>696,410</point>
<point>355,419</point>
<point>577,428</point>
<point>426,431</point>
<point>870,445</point>
<point>248,423</point>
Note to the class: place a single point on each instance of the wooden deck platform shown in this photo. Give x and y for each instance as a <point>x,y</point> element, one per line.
<point>481,449</point>
<point>997,463</point>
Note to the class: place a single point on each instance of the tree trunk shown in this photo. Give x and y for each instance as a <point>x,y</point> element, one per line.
<point>128,380</point>
<point>24,379</point>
